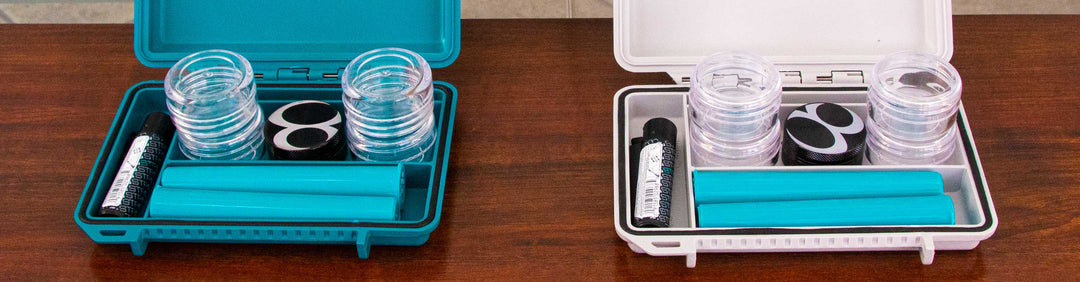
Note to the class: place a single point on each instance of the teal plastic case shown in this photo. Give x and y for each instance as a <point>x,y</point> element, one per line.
<point>297,49</point>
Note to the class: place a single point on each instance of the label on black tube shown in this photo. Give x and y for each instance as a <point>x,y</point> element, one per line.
<point>134,181</point>
<point>126,173</point>
<point>650,171</point>
<point>655,175</point>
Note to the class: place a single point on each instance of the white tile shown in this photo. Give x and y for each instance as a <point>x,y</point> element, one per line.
<point>591,8</point>
<point>97,12</point>
<point>502,9</point>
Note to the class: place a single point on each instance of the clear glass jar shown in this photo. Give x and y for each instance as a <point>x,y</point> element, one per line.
<point>912,103</point>
<point>734,111</point>
<point>389,104</point>
<point>211,98</point>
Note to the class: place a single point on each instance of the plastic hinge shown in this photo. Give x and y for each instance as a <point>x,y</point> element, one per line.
<point>292,74</point>
<point>791,77</point>
<point>300,74</point>
<point>841,77</point>
<point>796,77</point>
<point>333,75</point>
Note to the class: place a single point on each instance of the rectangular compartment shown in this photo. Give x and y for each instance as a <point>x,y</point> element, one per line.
<point>417,217</point>
<point>634,105</point>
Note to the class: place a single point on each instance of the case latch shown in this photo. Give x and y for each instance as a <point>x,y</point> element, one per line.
<point>292,74</point>
<point>842,77</point>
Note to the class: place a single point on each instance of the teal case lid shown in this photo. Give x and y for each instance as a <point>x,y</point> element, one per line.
<point>321,36</point>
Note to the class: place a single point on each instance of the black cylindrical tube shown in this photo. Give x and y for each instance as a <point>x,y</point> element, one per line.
<point>655,175</point>
<point>135,179</point>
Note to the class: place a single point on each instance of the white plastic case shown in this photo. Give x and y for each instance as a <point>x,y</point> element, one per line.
<point>822,48</point>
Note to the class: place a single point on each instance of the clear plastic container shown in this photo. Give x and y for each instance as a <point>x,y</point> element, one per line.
<point>734,111</point>
<point>913,102</point>
<point>389,106</point>
<point>211,98</point>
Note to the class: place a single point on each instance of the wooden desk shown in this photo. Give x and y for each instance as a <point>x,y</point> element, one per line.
<point>529,186</point>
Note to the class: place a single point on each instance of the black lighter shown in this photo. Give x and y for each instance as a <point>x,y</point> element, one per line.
<point>656,169</point>
<point>135,179</point>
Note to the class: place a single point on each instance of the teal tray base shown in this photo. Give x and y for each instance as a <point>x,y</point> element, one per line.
<point>421,208</point>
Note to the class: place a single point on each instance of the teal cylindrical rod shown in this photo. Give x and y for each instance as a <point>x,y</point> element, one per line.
<point>712,187</point>
<point>349,180</point>
<point>170,203</point>
<point>925,210</point>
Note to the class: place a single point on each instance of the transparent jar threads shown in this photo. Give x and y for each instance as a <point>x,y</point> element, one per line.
<point>734,111</point>
<point>211,98</point>
<point>913,102</point>
<point>388,103</point>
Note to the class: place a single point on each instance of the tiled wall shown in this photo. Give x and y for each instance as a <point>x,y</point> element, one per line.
<point>115,11</point>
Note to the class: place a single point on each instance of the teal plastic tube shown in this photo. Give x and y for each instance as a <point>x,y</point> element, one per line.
<point>925,210</point>
<point>349,180</point>
<point>713,187</point>
<point>230,205</point>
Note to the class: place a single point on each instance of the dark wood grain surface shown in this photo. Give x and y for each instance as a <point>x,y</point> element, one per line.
<point>529,186</point>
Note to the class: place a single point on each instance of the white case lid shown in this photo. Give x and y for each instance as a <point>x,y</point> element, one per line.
<point>811,36</point>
